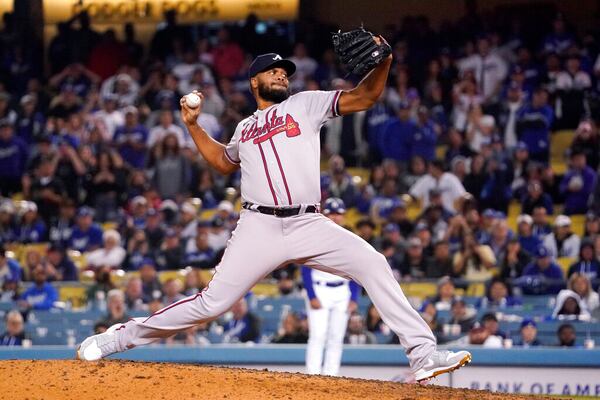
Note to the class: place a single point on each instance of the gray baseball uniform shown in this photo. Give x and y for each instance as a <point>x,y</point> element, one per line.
<point>278,151</point>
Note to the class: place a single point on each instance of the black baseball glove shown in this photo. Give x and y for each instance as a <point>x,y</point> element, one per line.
<point>358,50</point>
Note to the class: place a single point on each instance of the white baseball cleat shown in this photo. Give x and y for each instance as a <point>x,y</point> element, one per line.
<point>98,346</point>
<point>441,362</point>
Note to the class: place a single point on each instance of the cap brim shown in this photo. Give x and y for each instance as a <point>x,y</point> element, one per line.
<point>288,65</point>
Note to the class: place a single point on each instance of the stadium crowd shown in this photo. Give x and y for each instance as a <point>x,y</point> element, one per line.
<point>94,159</point>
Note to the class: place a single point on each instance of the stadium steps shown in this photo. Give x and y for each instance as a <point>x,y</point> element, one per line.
<point>578,224</point>
<point>560,141</point>
<point>564,264</point>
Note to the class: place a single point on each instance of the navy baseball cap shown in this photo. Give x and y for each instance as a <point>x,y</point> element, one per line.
<point>403,105</point>
<point>85,212</point>
<point>147,261</point>
<point>528,322</point>
<point>522,146</point>
<point>542,252</point>
<point>421,226</point>
<point>334,205</point>
<point>489,213</point>
<point>270,60</point>
<point>499,215</point>
<point>389,228</point>
<point>398,203</point>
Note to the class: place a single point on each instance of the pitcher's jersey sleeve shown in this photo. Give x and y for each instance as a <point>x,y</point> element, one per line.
<point>232,149</point>
<point>319,105</point>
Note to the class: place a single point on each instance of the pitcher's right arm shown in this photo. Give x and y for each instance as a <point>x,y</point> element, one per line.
<point>212,151</point>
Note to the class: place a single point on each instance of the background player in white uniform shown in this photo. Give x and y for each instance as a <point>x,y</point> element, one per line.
<point>331,300</point>
<point>278,151</point>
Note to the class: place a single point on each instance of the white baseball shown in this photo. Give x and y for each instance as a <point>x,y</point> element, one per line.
<point>192,100</point>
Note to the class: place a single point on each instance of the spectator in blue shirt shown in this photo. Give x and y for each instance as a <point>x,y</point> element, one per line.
<point>13,159</point>
<point>577,184</point>
<point>61,226</point>
<point>7,221</point>
<point>381,205</point>
<point>375,122</point>
<point>424,138</point>
<point>198,252</point>
<point>244,326</point>
<point>541,226</point>
<point>40,296</point>
<point>542,276</point>
<point>397,135</point>
<point>587,264</point>
<point>31,229</point>
<point>30,123</point>
<point>529,242</point>
<point>560,39</point>
<point>131,139</point>
<point>533,126</point>
<point>85,236</point>
<point>10,270</point>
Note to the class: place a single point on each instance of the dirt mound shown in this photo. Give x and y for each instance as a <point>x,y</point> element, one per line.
<point>137,380</point>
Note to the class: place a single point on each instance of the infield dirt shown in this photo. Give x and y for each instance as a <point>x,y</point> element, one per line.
<point>106,380</point>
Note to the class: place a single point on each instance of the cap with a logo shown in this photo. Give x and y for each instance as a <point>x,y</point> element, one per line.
<point>28,98</point>
<point>489,213</point>
<point>225,205</point>
<point>7,207</point>
<point>542,252</point>
<point>414,242</point>
<point>188,208</point>
<point>421,226</point>
<point>398,203</point>
<point>139,201</point>
<point>85,212</point>
<point>168,205</point>
<point>389,228</point>
<point>27,206</point>
<point>514,85</point>
<point>528,322</point>
<point>562,220</point>
<point>522,146</point>
<point>525,218</point>
<point>404,105</point>
<point>147,262</point>
<point>334,205</point>
<point>268,61</point>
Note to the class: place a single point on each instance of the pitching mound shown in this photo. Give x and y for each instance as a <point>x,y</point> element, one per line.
<point>136,380</point>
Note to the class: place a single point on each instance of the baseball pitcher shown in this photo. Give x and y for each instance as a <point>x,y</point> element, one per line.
<point>278,151</point>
